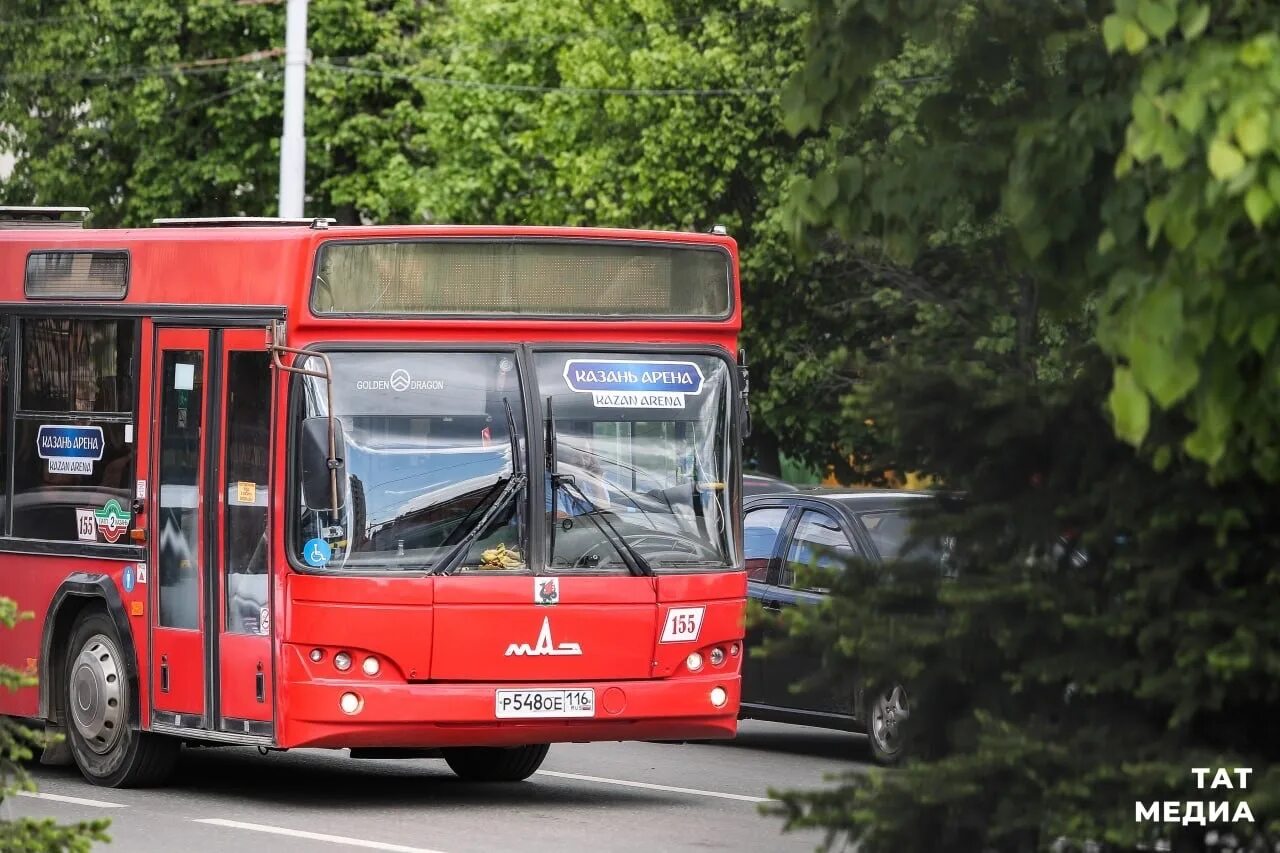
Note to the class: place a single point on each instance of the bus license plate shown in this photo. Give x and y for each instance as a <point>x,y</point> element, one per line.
<point>545,703</point>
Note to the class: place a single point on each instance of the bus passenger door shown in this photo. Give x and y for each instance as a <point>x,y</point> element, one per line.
<point>211,636</point>
<point>178,528</point>
<point>244,674</point>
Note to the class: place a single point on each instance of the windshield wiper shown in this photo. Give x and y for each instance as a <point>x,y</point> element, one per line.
<point>636,563</point>
<point>518,478</point>
<point>450,560</point>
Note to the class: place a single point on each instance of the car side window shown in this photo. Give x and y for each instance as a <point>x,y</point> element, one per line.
<point>889,531</point>
<point>819,542</point>
<point>760,538</point>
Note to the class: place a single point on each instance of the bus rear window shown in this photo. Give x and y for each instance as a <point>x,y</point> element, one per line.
<point>539,277</point>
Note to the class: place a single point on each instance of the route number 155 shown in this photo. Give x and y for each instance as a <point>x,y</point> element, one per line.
<point>683,624</point>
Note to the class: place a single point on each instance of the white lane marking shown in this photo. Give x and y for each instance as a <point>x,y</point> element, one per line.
<point>652,787</point>
<point>314,836</point>
<point>78,801</point>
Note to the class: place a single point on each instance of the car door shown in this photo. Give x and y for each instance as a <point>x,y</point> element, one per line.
<point>763,527</point>
<point>817,538</point>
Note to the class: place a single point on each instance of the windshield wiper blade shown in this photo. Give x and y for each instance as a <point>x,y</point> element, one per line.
<point>636,563</point>
<point>516,467</point>
<point>450,560</point>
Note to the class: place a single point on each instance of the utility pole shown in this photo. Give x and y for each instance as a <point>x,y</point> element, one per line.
<point>293,144</point>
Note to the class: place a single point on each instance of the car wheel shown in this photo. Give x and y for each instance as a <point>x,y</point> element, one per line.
<point>97,703</point>
<point>886,714</point>
<point>495,764</point>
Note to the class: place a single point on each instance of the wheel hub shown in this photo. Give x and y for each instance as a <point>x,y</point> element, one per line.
<point>887,716</point>
<point>96,708</point>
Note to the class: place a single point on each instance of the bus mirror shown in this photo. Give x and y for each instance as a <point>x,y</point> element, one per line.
<point>317,482</point>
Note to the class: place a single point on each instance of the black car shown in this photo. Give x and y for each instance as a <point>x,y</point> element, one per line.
<point>784,532</point>
<point>755,483</point>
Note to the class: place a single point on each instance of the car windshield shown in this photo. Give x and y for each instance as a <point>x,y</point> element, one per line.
<point>643,450</point>
<point>428,449</point>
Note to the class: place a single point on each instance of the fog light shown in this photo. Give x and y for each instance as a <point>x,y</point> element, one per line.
<point>317,655</point>
<point>342,661</point>
<point>694,662</point>
<point>719,697</point>
<point>717,656</point>
<point>350,703</point>
<point>734,649</point>
<point>370,666</point>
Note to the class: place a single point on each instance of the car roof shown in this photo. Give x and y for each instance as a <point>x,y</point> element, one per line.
<point>850,499</point>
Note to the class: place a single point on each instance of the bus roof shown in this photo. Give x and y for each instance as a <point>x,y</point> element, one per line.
<point>272,265</point>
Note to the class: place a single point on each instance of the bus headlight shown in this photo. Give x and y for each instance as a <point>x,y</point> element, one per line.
<point>693,661</point>
<point>370,665</point>
<point>342,661</point>
<point>350,703</point>
<point>719,696</point>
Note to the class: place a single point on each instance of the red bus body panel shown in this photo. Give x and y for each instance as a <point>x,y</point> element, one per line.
<point>442,643</point>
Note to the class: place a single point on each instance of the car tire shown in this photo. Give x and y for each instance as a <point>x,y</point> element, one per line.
<point>495,764</point>
<point>885,713</point>
<point>97,702</point>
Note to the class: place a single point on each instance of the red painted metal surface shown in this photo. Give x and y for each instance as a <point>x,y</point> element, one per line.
<point>441,643</point>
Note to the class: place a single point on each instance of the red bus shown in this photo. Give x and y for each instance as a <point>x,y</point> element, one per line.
<point>409,490</point>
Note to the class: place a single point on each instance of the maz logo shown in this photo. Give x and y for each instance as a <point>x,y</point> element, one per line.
<point>544,646</point>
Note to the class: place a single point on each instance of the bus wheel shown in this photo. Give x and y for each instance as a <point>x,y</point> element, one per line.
<point>495,764</point>
<point>97,705</point>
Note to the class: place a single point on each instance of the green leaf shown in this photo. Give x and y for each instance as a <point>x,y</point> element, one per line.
<point>1130,407</point>
<point>1161,458</point>
<point>1252,133</point>
<point>1273,182</point>
<point>1189,110</point>
<point>1225,160</point>
<point>1156,17</point>
<point>1113,27</point>
<point>1195,17</point>
<point>1106,241</point>
<point>1256,53</point>
<point>1204,445</point>
<point>1263,332</point>
<point>1258,204</point>
<point>825,189</point>
<point>1135,37</point>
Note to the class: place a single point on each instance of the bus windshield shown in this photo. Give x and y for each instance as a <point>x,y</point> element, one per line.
<point>427,448</point>
<point>641,449</point>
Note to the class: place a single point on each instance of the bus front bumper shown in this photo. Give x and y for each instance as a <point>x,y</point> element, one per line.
<point>424,715</point>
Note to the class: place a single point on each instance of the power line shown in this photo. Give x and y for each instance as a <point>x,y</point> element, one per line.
<point>451,82</point>
<point>193,67</point>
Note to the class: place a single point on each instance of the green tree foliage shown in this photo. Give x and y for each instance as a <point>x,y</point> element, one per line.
<point>1111,626</point>
<point>652,114</point>
<point>17,744</point>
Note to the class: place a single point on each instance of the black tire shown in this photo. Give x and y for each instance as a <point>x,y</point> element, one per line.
<point>96,704</point>
<point>885,714</point>
<point>495,764</point>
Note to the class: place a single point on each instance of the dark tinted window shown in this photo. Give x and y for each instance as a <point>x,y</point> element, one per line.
<point>248,420</point>
<point>77,365</point>
<point>760,537</point>
<point>819,542</point>
<point>181,420</point>
<point>73,454</point>
<point>4,419</point>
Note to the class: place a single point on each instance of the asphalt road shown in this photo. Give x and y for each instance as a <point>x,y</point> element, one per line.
<point>590,797</point>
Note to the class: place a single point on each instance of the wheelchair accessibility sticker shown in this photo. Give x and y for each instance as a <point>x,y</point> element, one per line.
<point>317,552</point>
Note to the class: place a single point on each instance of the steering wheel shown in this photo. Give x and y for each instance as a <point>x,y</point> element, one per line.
<point>681,547</point>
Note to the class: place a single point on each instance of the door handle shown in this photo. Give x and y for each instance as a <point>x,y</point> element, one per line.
<point>772,606</point>
<point>260,684</point>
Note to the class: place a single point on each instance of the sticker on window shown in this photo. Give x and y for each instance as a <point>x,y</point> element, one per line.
<point>69,449</point>
<point>626,384</point>
<point>112,520</point>
<point>246,492</point>
<point>184,377</point>
<point>86,527</point>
